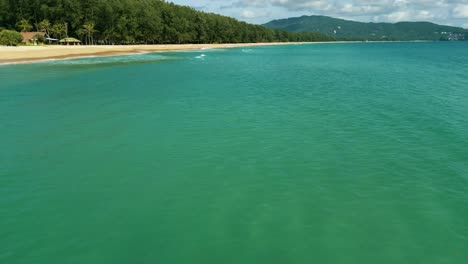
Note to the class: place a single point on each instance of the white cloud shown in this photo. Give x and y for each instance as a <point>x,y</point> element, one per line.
<point>406,15</point>
<point>260,11</point>
<point>460,11</point>
<point>304,4</point>
<point>363,9</point>
<point>398,16</point>
<point>251,14</point>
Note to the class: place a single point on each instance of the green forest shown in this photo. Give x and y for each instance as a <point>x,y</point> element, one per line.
<point>136,22</point>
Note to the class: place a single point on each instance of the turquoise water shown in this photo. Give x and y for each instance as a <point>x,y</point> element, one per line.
<point>327,153</point>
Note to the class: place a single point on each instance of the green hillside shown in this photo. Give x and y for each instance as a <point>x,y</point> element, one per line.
<point>351,30</point>
<point>135,22</point>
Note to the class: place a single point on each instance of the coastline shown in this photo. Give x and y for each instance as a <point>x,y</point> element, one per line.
<point>30,54</point>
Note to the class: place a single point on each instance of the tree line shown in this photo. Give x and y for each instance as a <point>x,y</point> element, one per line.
<point>136,22</point>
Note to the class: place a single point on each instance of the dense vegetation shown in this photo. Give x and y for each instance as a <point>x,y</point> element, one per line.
<point>351,30</point>
<point>10,38</point>
<point>135,21</point>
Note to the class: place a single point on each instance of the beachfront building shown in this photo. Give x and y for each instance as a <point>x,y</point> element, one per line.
<point>70,42</point>
<point>51,40</point>
<point>31,37</point>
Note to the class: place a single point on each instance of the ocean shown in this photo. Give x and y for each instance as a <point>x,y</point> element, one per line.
<point>321,153</point>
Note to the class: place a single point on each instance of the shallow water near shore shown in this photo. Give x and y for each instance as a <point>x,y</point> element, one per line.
<point>344,153</point>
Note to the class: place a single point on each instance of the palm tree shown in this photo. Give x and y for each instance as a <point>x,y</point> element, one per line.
<point>24,25</point>
<point>89,27</point>
<point>58,30</point>
<point>44,26</point>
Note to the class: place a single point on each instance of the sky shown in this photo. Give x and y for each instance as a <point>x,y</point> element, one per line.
<point>447,12</point>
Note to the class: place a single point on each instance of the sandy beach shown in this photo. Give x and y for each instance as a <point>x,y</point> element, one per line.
<point>25,54</point>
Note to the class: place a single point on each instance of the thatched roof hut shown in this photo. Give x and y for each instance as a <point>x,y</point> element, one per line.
<point>69,41</point>
<point>30,36</point>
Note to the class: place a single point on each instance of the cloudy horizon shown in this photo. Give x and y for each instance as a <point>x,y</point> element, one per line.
<point>446,12</point>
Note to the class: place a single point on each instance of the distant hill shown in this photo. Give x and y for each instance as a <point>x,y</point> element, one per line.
<point>351,30</point>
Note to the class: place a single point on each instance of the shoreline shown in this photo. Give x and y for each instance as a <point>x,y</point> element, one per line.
<point>34,54</point>
<point>37,54</point>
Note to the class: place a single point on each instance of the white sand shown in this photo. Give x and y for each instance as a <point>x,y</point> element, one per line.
<point>23,54</point>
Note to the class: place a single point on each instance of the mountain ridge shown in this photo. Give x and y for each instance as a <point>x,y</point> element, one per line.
<point>343,29</point>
